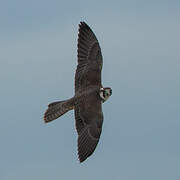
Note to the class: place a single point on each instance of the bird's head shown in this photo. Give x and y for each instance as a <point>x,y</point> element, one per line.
<point>105,93</point>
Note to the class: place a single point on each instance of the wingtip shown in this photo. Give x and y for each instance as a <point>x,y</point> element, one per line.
<point>83,24</point>
<point>81,159</point>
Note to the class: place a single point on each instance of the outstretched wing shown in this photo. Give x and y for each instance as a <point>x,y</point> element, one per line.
<point>88,72</point>
<point>89,120</point>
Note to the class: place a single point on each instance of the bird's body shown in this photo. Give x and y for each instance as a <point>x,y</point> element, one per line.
<point>89,94</point>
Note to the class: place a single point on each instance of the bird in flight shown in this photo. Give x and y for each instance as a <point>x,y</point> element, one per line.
<point>89,94</point>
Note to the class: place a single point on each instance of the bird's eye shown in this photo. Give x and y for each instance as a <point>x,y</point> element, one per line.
<point>106,93</point>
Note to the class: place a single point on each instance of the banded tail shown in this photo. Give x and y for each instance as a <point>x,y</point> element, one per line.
<point>57,109</point>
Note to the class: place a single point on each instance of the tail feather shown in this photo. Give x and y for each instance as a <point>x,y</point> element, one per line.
<point>57,109</point>
<point>55,103</point>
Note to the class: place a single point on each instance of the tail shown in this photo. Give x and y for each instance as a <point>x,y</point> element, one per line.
<point>57,109</point>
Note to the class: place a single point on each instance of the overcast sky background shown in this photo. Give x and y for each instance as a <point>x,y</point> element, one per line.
<point>140,42</point>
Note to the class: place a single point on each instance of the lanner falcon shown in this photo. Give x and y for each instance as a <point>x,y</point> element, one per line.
<point>89,94</point>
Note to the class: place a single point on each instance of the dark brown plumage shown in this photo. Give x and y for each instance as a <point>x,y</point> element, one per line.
<point>89,94</point>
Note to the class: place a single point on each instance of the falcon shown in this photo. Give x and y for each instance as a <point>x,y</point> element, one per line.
<point>89,94</point>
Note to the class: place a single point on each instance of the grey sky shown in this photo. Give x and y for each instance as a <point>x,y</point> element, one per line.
<point>140,43</point>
